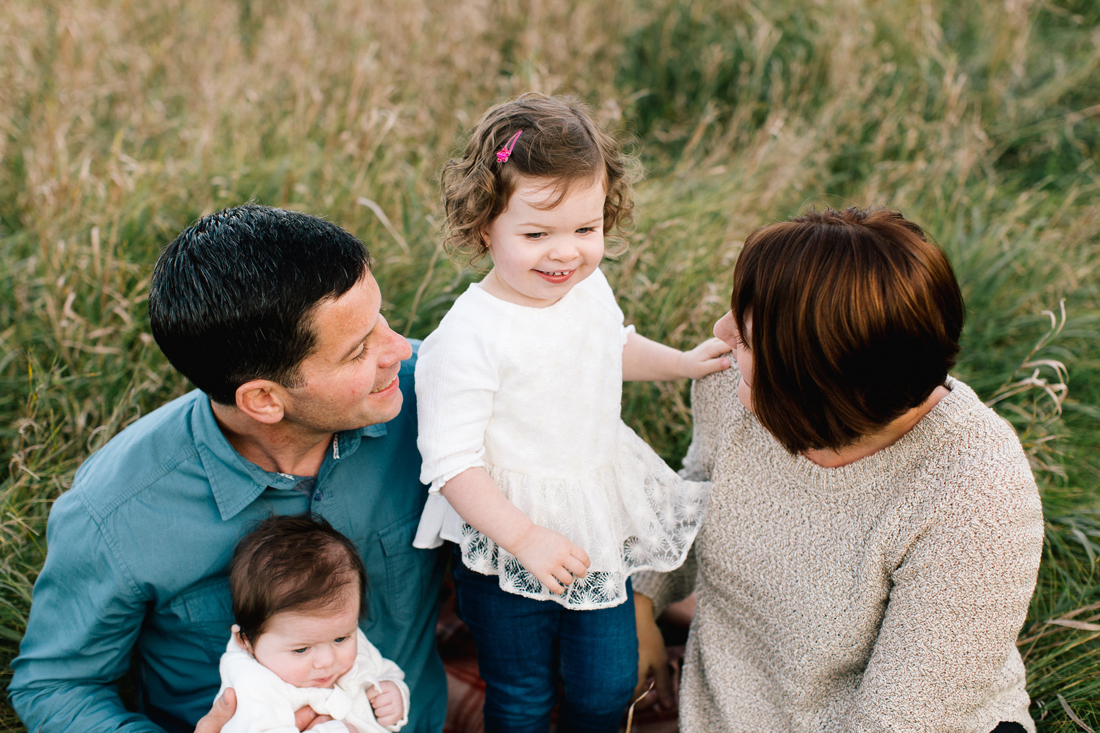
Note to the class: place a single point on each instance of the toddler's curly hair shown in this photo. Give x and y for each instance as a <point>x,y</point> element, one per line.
<point>560,142</point>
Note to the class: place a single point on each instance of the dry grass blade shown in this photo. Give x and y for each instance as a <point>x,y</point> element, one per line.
<point>1072,715</point>
<point>1056,390</point>
<point>1079,625</point>
<point>1066,620</point>
<point>363,201</point>
<point>630,710</point>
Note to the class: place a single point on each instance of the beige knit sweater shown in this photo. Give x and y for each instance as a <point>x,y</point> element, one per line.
<point>885,595</point>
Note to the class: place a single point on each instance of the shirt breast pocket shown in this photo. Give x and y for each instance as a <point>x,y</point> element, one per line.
<point>205,615</point>
<point>408,571</point>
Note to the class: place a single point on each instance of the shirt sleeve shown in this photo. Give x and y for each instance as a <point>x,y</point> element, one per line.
<point>959,598</point>
<point>457,377</point>
<point>86,615</point>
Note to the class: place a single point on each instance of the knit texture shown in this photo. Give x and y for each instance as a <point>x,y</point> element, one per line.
<point>885,595</point>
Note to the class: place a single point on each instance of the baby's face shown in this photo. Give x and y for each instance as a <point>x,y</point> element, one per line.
<point>311,650</point>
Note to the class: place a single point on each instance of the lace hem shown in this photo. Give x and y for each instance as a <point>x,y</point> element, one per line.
<point>631,515</point>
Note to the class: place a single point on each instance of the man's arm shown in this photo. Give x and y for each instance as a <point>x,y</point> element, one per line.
<point>84,620</point>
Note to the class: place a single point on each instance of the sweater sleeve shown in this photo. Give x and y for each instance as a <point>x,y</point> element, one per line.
<point>957,602</point>
<point>456,380</point>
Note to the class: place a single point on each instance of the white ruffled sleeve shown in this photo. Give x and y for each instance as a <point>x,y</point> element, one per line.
<point>457,377</point>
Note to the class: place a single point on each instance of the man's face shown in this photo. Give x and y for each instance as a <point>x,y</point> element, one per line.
<point>350,379</point>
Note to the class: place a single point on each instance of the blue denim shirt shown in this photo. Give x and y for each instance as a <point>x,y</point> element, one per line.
<point>138,559</point>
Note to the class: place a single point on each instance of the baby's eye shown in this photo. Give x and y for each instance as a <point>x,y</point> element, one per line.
<point>303,650</point>
<point>339,639</point>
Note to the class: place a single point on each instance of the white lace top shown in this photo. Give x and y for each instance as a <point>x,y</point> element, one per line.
<point>533,395</point>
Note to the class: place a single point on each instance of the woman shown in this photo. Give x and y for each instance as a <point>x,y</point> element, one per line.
<point>874,531</point>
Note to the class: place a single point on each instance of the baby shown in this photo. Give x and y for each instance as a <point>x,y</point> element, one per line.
<point>297,587</point>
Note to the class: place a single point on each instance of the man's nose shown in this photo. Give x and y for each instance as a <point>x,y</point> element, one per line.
<point>397,348</point>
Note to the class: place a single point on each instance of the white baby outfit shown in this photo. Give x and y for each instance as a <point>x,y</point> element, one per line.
<point>266,704</point>
<point>533,395</point>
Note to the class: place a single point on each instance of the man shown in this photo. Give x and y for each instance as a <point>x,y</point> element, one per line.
<point>306,404</point>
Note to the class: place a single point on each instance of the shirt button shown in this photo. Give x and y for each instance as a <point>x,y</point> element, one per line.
<point>318,496</point>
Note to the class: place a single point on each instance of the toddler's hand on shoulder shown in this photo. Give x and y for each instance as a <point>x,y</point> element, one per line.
<point>706,358</point>
<point>551,558</point>
<point>388,706</point>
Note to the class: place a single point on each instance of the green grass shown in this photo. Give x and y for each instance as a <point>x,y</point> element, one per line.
<point>120,123</point>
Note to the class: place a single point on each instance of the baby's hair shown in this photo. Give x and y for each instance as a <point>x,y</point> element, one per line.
<point>291,563</point>
<point>560,142</point>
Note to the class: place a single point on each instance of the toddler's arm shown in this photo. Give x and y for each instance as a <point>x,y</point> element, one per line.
<point>547,555</point>
<point>649,361</point>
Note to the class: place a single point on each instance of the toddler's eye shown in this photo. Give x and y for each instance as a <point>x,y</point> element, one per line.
<point>535,235</point>
<point>586,230</point>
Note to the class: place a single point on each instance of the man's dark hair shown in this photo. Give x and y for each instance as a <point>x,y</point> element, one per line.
<point>855,319</point>
<point>295,563</point>
<point>232,297</point>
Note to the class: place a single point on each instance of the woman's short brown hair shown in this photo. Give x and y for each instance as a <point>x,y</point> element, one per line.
<point>560,143</point>
<point>293,563</point>
<point>855,319</point>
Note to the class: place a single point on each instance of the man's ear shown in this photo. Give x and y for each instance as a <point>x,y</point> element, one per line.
<point>262,400</point>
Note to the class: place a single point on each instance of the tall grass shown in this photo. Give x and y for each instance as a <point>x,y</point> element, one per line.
<point>121,122</point>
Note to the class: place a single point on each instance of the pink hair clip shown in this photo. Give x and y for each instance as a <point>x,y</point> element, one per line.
<point>504,153</point>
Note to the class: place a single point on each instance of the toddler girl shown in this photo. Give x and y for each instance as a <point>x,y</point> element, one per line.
<point>297,587</point>
<point>553,501</point>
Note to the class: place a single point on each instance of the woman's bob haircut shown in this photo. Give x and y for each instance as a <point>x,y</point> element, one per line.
<point>853,318</point>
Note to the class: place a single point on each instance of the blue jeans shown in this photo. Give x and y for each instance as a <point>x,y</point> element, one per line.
<point>526,647</point>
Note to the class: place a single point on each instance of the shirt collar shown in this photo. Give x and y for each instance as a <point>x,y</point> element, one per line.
<point>235,481</point>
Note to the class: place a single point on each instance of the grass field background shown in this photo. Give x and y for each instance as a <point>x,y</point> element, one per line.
<point>121,122</point>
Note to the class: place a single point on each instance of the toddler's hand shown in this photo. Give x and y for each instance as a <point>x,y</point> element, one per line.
<point>706,358</point>
<point>388,706</point>
<point>551,558</point>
